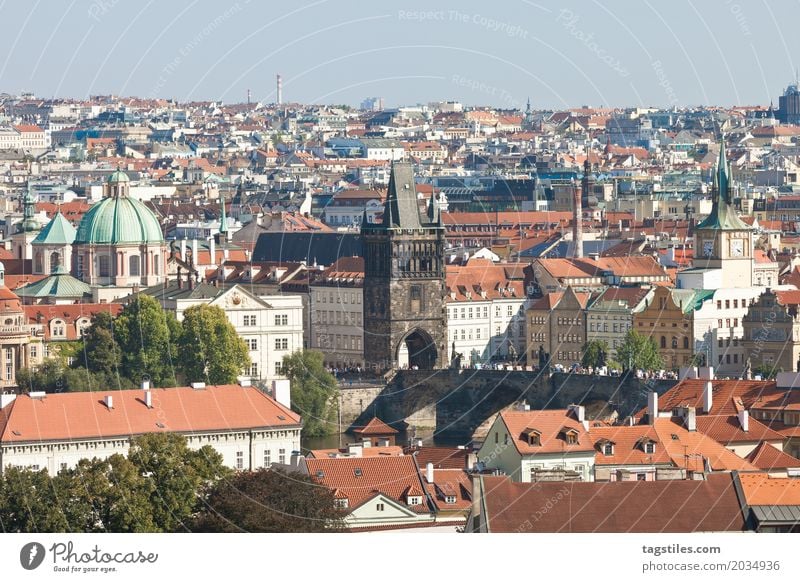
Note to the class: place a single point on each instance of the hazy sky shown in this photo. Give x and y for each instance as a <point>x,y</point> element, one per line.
<point>561,54</point>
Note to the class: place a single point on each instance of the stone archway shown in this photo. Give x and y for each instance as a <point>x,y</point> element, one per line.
<point>417,350</point>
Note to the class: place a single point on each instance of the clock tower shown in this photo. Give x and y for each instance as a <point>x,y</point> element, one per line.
<point>723,241</point>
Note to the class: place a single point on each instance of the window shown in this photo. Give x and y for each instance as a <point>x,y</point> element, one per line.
<point>239,460</point>
<point>608,449</point>
<point>267,458</point>
<point>279,368</point>
<point>379,507</point>
<point>254,369</point>
<point>63,467</point>
<point>249,320</point>
<point>252,344</point>
<point>133,265</point>
<point>281,343</point>
<point>104,266</point>
<point>649,448</point>
<point>282,456</point>
<point>340,503</point>
<point>641,476</point>
<point>282,319</point>
<point>450,499</point>
<point>33,351</point>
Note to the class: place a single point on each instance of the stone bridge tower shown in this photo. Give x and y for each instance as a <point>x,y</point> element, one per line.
<point>405,323</point>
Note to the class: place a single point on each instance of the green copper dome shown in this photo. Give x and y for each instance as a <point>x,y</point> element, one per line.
<point>118,176</point>
<point>119,220</point>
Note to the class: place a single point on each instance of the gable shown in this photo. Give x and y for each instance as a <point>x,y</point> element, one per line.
<point>238,297</point>
<point>391,509</point>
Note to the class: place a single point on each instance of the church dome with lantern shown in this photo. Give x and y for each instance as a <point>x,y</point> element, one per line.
<point>119,240</point>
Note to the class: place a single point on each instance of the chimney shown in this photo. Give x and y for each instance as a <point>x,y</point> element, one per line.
<point>578,411</point>
<point>652,407</point>
<point>6,399</point>
<point>195,258</point>
<point>148,399</point>
<point>183,250</point>
<point>146,384</point>
<point>429,472</point>
<point>744,420</point>
<point>691,419</point>
<point>577,227</point>
<point>180,279</point>
<point>212,247</point>
<point>708,396</point>
<point>355,449</point>
<point>109,401</point>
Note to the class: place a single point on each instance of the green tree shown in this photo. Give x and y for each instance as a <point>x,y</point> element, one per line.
<point>209,347</point>
<point>269,500</point>
<point>53,376</point>
<point>766,371</point>
<point>101,350</point>
<point>145,342</point>
<point>595,354</point>
<point>106,495</point>
<point>29,502</point>
<point>176,476</point>
<point>313,392</point>
<point>639,352</point>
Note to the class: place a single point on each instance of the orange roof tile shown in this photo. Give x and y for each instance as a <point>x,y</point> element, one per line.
<point>84,415</point>
<point>551,425</point>
<point>360,479</point>
<point>767,458</point>
<point>375,427</point>
<point>761,489</point>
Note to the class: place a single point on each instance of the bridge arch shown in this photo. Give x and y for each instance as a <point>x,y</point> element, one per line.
<point>416,350</point>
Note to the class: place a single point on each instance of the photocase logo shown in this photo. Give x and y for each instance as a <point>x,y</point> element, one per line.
<point>31,555</point>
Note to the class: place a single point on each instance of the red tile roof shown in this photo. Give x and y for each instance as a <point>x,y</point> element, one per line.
<point>441,457</point>
<point>360,479</point>
<point>761,489</point>
<point>673,506</point>
<point>450,483</point>
<point>768,458</point>
<point>728,430</point>
<point>84,415</point>
<point>690,393</point>
<point>551,425</point>
<point>375,427</point>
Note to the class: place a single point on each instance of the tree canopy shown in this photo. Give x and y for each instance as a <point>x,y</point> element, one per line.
<point>269,500</point>
<point>209,348</point>
<point>159,487</point>
<point>595,354</point>
<point>639,352</point>
<point>145,341</point>
<point>313,392</point>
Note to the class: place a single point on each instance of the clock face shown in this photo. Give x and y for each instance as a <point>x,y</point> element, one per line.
<point>737,248</point>
<point>708,248</point>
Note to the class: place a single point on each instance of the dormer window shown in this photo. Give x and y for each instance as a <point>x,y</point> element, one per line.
<point>608,448</point>
<point>649,447</point>
<point>341,503</point>
<point>532,436</point>
<point>570,436</point>
<point>414,500</point>
<point>450,499</point>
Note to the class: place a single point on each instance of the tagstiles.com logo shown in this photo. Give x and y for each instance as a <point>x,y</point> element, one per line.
<point>67,559</point>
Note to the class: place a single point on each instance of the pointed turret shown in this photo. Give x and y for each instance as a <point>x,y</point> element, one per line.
<point>401,209</point>
<point>723,216</point>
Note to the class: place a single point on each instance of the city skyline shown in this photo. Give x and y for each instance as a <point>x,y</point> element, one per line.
<point>560,55</point>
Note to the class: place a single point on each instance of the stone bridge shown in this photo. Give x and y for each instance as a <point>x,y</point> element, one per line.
<point>460,404</point>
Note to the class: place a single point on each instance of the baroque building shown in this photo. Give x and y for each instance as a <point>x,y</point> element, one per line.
<point>119,244</point>
<point>405,321</point>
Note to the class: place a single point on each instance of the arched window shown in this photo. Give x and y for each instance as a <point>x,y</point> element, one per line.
<point>55,261</point>
<point>674,343</point>
<point>38,264</point>
<point>104,266</point>
<point>664,342</point>
<point>133,265</point>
